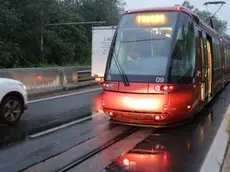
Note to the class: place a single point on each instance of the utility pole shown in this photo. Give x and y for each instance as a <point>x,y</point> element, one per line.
<point>214,3</point>
<point>42,32</point>
<point>75,23</point>
<point>60,24</point>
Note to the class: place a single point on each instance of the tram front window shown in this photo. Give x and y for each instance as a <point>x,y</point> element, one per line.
<point>141,54</point>
<point>143,47</point>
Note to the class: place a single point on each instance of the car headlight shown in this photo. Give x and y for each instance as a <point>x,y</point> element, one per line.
<point>23,86</point>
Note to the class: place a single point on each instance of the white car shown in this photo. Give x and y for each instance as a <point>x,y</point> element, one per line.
<point>13,100</point>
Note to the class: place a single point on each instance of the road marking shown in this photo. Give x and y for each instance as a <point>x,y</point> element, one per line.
<point>215,156</point>
<point>63,126</point>
<point>65,95</point>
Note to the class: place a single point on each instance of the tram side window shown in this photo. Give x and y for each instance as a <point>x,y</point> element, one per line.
<point>214,53</point>
<point>228,58</point>
<point>226,55</point>
<point>184,53</point>
<point>218,54</point>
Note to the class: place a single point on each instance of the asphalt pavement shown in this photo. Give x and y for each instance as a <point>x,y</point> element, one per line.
<point>50,113</point>
<point>180,149</point>
<point>174,149</point>
<point>47,114</point>
<point>19,156</point>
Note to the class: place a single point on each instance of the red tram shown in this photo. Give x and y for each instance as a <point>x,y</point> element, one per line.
<point>164,65</point>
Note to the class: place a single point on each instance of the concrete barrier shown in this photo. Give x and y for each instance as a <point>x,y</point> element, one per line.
<point>38,80</point>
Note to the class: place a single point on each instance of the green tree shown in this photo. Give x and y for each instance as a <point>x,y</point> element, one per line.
<point>23,23</point>
<point>219,25</point>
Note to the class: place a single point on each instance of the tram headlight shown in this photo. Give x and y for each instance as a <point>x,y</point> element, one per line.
<point>157,88</point>
<point>126,162</point>
<point>163,87</point>
<point>140,104</point>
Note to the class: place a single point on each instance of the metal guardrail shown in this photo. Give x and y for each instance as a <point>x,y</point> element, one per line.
<point>54,77</point>
<point>80,76</point>
<point>84,75</point>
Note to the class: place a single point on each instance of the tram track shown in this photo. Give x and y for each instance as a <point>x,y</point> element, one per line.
<point>90,154</point>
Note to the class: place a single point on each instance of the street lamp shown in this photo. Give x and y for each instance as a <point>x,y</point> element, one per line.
<point>214,3</point>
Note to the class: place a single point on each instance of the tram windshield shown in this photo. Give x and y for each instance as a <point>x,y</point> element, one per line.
<point>151,45</point>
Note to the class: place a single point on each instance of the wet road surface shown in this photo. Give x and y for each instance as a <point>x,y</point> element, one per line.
<point>50,113</point>
<point>47,114</point>
<point>179,149</point>
<point>174,149</point>
<point>31,151</point>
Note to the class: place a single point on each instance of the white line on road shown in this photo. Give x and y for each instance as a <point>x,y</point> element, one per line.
<point>63,126</point>
<point>65,95</point>
<point>215,156</point>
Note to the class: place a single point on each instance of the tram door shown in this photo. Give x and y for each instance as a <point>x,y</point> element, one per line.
<point>203,70</point>
<point>206,87</point>
<point>209,53</point>
<point>204,54</point>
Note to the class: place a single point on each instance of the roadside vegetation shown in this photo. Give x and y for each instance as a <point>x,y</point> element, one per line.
<point>24,23</point>
<point>228,125</point>
<point>219,25</point>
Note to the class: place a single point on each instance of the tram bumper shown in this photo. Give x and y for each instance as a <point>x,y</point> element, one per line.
<point>142,109</point>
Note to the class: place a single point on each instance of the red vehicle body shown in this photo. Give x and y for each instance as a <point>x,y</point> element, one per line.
<point>164,65</point>
<point>158,153</point>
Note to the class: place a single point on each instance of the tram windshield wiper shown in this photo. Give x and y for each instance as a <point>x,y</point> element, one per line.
<point>120,69</point>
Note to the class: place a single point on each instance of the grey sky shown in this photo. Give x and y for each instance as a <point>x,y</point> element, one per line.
<point>222,14</point>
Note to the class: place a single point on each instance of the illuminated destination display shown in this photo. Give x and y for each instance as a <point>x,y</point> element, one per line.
<point>151,19</point>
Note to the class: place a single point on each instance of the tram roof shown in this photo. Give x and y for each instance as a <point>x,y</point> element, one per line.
<point>194,16</point>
